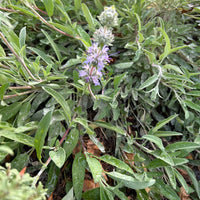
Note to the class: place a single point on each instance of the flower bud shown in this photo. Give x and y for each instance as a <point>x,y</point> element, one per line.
<point>109,17</point>
<point>103,36</point>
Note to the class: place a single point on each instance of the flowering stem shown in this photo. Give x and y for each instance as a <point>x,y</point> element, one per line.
<point>90,90</point>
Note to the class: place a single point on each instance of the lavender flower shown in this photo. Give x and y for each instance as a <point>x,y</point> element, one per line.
<point>97,56</point>
<point>90,73</point>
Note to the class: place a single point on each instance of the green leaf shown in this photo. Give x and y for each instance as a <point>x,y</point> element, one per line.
<point>195,93</point>
<point>93,194</point>
<point>88,15</point>
<point>165,190</point>
<point>98,5</point>
<point>58,157</point>
<point>170,173</point>
<point>177,77</point>
<point>131,182</point>
<point>41,133</point>
<point>181,145</point>
<point>9,111</point>
<point>116,162</point>
<point>22,37</point>
<point>98,143</point>
<point>84,123</point>
<point>85,38</point>
<point>64,12</point>
<point>149,82</point>
<point>173,67</point>
<point>155,140</point>
<point>162,123</point>
<point>60,99</point>
<point>151,56</point>
<point>20,161</point>
<point>192,105</point>
<point>18,137</point>
<point>53,175</point>
<point>109,126</point>
<point>23,113</point>
<point>43,55</point>
<point>49,6</point>
<point>118,79</point>
<point>23,10</point>
<point>177,48</point>
<point>181,180</point>
<point>118,193</point>
<point>164,156</point>
<point>193,179</point>
<point>77,4</point>
<point>71,141</point>
<point>95,168</point>
<point>105,194</point>
<point>6,149</point>
<point>167,46</point>
<point>139,22</point>
<point>78,174</point>
<point>166,133</point>
<point>69,195</point>
<point>3,89</point>
<point>53,44</point>
<point>67,28</point>
<point>2,52</point>
<point>124,65</point>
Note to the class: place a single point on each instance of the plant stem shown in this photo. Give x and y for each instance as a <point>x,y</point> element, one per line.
<point>49,159</point>
<point>17,56</point>
<point>90,90</point>
<point>18,94</point>
<point>48,24</point>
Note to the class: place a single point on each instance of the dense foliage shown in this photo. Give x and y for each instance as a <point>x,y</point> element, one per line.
<point>103,92</point>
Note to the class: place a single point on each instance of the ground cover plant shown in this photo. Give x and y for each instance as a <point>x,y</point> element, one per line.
<point>100,99</point>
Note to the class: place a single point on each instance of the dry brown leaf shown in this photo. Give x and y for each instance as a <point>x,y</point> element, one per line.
<point>89,184</point>
<point>183,194</point>
<point>92,148</point>
<point>130,157</point>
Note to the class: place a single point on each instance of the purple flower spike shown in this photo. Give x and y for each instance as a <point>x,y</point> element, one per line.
<point>90,73</point>
<point>97,56</point>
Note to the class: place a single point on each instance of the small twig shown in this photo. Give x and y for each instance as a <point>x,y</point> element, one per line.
<point>17,56</point>
<point>18,94</point>
<point>60,143</point>
<point>4,66</point>
<point>20,87</point>
<point>42,11</point>
<point>8,10</point>
<point>48,24</point>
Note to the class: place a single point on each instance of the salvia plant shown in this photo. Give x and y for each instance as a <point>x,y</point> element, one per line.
<point>99,99</point>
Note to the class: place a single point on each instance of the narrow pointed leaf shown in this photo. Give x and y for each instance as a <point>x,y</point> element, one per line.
<point>192,105</point>
<point>116,162</point>
<point>41,133</point>
<point>162,123</point>
<point>78,174</point>
<point>49,6</point>
<point>95,168</point>
<point>149,82</point>
<point>131,182</point>
<point>156,140</point>
<point>60,99</point>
